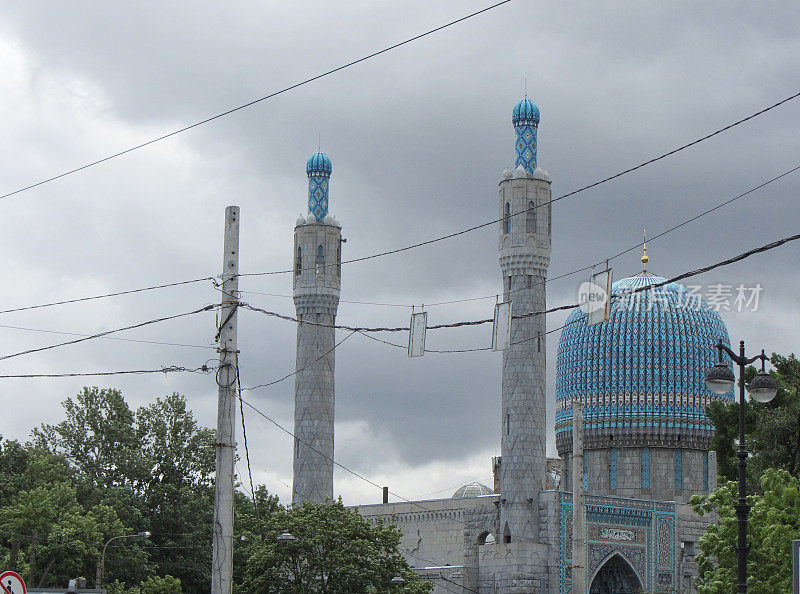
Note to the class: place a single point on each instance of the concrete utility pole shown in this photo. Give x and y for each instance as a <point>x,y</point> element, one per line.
<point>578,504</point>
<point>222,556</point>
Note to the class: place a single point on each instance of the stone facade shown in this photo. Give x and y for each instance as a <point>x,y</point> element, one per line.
<point>524,246</point>
<point>317,280</point>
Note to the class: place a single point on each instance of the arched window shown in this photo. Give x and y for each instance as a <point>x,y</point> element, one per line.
<point>298,267</point>
<point>508,218</point>
<point>530,218</point>
<point>320,260</point>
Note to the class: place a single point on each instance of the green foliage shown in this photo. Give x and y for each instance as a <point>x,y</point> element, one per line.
<point>773,523</point>
<point>772,430</point>
<point>336,551</point>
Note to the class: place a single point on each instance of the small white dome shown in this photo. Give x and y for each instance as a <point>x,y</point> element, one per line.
<point>336,223</point>
<point>300,221</point>
<point>507,173</point>
<point>311,219</point>
<point>472,490</point>
<point>540,173</point>
<point>328,220</point>
<point>520,172</point>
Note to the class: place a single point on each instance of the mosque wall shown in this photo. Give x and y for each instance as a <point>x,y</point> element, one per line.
<point>441,536</point>
<point>665,474</point>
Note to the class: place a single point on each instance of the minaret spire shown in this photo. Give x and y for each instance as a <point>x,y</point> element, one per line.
<point>645,259</point>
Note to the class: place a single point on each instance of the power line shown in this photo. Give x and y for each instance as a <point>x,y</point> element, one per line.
<point>572,193</point>
<point>293,373</point>
<point>244,433</point>
<point>164,370</point>
<point>253,102</point>
<point>117,294</point>
<point>158,342</point>
<point>107,332</point>
<point>742,256</point>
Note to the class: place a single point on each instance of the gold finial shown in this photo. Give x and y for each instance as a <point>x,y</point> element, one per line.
<point>645,259</point>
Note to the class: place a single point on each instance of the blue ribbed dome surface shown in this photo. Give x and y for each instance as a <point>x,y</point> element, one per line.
<point>640,374</point>
<point>525,110</point>
<point>319,163</point>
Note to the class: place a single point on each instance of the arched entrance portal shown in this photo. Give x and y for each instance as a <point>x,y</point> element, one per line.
<point>616,576</point>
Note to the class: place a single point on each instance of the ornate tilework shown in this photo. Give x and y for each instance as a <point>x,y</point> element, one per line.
<point>612,469</point>
<point>645,468</point>
<point>678,470</point>
<point>526,124</point>
<point>319,170</point>
<point>641,373</point>
<point>641,532</point>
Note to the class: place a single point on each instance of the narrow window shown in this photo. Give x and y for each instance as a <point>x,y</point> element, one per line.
<point>705,471</point>
<point>539,341</point>
<point>530,219</point>
<point>339,259</point>
<point>567,471</point>
<point>320,260</point>
<point>508,424</point>
<point>299,265</point>
<point>508,217</point>
<point>508,286</point>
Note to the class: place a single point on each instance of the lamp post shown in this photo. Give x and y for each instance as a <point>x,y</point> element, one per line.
<point>101,569</point>
<point>763,388</point>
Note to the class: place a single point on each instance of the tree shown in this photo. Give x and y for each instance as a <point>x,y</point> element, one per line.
<point>772,430</point>
<point>98,437</point>
<point>773,523</point>
<point>336,551</point>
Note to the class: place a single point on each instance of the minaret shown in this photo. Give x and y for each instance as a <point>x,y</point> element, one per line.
<point>317,280</point>
<point>524,258</point>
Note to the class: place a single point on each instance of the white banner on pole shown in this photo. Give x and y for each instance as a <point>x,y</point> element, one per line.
<point>501,331</point>
<point>595,297</point>
<point>416,334</point>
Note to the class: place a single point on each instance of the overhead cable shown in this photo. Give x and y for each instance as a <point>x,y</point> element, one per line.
<point>253,102</point>
<point>158,342</point>
<point>117,294</point>
<point>561,197</point>
<point>107,332</point>
<point>164,370</point>
<point>738,258</point>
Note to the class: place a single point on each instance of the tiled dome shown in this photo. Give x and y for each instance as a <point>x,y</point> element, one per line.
<point>525,110</point>
<point>318,163</point>
<point>640,374</point>
<point>472,490</point>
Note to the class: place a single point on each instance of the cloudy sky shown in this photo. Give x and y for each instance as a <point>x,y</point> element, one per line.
<point>418,138</point>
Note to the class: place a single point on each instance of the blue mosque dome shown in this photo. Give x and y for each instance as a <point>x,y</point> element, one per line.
<point>318,163</point>
<point>640,374</point>
<point>525,110</point>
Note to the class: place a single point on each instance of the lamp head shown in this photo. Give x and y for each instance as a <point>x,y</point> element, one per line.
<point>719,379</point>
<point>763,387</point>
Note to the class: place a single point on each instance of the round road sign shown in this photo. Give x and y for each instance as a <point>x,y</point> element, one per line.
<point>11,583</point>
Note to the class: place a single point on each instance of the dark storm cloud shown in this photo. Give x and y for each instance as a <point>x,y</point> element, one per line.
<point>418,138</point>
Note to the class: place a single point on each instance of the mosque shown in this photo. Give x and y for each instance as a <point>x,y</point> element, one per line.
<point>611,514</point>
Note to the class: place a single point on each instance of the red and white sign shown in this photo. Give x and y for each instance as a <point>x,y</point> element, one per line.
<point>11,583</point>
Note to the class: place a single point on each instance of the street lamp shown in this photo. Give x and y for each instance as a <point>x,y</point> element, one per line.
<point>101,569</point>
<point>763,388</point>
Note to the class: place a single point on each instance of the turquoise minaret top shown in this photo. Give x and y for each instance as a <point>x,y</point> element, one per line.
<point>526,123</point>
<point>319,170</point>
